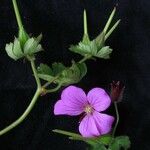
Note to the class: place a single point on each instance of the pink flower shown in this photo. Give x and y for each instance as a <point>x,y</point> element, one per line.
<point>74,102</point>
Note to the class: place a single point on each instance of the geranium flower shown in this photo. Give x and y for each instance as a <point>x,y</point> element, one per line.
<point>74,102</point>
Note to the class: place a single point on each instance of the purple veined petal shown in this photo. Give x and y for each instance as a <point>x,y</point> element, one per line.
<point>74,97</point>
<point>96,124</point>
<point>61,108</point>
<point>98,99</point>
<point>103,122</point>
<point>88,127</point>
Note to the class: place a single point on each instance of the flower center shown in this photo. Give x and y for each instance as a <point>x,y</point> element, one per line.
<point>88,109</point>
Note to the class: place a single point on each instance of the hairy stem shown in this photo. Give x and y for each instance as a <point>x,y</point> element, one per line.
<point>24,115</point>
<point>18,17</point>
<point>117,120</point>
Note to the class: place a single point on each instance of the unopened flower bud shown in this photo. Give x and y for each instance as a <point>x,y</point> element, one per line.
<point>117,90</point>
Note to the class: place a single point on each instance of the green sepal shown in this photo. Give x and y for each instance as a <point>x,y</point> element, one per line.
<point>16,50</point>
<point>96,47</point>
<point>100,40</point>
<point>104,52</point>
<point>9,50</point>
<point>23,36</point>
<point>93,48</point>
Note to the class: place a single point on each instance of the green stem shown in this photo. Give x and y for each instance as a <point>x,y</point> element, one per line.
<point>85,58</point>
<point>117,121</point>
<point>54,89</point>
<point>24,115</point>
<point>18,17</point>
<point>32,103</point>
<point>68,133</point>
<point>35,73</point>
<point>49,82</point>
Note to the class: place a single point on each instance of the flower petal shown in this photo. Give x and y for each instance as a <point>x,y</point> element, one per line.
<point>103,122</point>
<point>74,97</point>
<point>73,101</point>
<point>98,99</point>
<point>61,108</point>
<point>88,127</point>
<point>96,124</point>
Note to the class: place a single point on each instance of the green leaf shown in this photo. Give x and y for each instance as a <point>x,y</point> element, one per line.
<point>46,77</point>
<point>58,68</point>
<point>45,72</point>
<point>99,146</point>
<point>9,50</point>
<point>72,74</point>
<point>45,69</point>
<point>83,69</point>
<point>120,142</point>
<point>105,139</point>
<point>104,52</point>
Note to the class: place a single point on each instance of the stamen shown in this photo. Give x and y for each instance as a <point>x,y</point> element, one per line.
<point>88,109</point>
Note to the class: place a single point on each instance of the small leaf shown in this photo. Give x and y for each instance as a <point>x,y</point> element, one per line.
<point>83,69</point>
<point>105,139</point>
<point>58,68</point>
<point>120,142</point>
<point>45,69</point>
<point>99,146</point>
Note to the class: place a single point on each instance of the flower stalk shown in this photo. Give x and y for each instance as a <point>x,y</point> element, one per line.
<point>117,118</point>
<point>38,82</point>
<point>18,17</point>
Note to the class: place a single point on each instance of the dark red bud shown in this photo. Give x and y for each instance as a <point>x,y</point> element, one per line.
<point>117,90</point>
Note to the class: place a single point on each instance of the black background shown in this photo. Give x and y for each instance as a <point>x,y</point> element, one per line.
<point>61,23</point>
